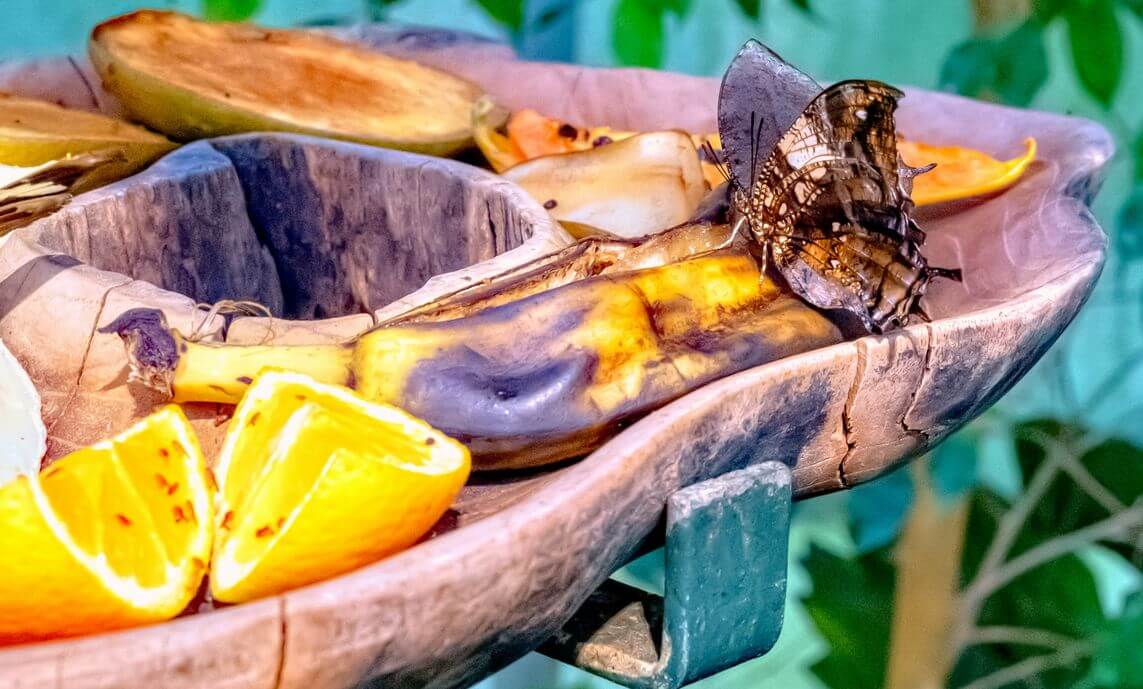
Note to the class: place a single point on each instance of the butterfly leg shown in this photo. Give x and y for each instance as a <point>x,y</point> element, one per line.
<point>733,233</point>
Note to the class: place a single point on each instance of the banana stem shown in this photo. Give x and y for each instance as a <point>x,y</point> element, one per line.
<point>187,371</point>
<point>221,373</point>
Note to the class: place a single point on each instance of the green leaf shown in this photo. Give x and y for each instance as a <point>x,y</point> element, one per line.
<point>677,7</point>
<point>803,6</point>
<point>1010,68</point>
<point>551,15</point>
<point>1137,153</point>
<point>230,10</point>
<point>850,606</point>
<point>751,8</point>
<point>1075,609</point>
<point>1044,11</point>
<point>1118,661</point>
<point>637,33</point>
<point>970,67</point>
<point>509,13</point>
<point>985,510</point>
<point>1114,464</point>
<point>878,509</point>
<point>1097,47</point>
<point>1129,235</point>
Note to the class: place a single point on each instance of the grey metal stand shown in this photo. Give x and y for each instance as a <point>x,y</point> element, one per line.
<point>726,557</point>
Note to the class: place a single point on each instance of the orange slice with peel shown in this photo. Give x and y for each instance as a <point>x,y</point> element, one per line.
<point>961,173</point>
<point>315,481</point>
<point>111,536</point>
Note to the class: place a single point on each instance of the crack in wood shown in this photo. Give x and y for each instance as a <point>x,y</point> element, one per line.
<point>921,436</point>
<point>73,391</point>
<point>846,415</point>
<point>283,625</point>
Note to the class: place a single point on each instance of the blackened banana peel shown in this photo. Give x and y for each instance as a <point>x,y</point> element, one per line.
<point>536,380</point>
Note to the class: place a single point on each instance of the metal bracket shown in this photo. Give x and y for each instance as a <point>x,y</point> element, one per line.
<point>726,555</point>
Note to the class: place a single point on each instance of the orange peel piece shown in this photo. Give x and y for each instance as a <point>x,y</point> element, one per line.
<point>315,481</point>
<point>111,536</point>
<point>961,172</point>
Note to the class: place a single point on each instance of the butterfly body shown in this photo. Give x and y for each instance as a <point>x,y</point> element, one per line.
<point>830,210</point>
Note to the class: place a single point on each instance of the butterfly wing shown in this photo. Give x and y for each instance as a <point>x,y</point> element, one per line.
<point>832,208</point>
<point>761,96</point>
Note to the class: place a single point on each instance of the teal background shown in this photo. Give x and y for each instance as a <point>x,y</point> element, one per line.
<point>901,42</point>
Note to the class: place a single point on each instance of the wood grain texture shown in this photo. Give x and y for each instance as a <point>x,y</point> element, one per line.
<point>520,553</point>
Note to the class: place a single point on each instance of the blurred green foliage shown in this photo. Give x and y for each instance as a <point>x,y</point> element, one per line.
<point>230,10</point>
<point>849,606</point>
<point>638,26</point>
<point>1028,606</point>
<point>1011,65</point>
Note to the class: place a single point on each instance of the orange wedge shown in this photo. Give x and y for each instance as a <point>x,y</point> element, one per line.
<point>961,173</point>
<point>315,481</point>
<point>111,536</point>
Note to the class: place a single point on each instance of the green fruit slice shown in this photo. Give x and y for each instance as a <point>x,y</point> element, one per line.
<point>33,132</point>
<point>192,79</point>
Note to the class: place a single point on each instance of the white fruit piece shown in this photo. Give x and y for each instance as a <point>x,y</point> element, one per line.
<point>23,438</point>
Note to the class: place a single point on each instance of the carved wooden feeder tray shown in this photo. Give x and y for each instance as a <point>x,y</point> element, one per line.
<point>325,232</point>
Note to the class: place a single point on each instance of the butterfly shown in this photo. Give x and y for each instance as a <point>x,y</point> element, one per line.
<point>829,208</point>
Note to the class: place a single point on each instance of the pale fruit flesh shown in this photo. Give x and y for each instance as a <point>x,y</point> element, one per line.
<point>34,132</point>
<point>192,79</point>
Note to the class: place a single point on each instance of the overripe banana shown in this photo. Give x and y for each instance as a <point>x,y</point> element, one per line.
<point>537,379</point>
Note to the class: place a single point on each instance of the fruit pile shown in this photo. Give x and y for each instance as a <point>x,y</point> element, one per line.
<point>315,479</point>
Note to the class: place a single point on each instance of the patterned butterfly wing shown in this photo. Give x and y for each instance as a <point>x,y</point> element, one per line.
<point>831,207</point>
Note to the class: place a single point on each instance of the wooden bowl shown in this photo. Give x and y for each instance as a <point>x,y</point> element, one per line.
<point>264,216</point>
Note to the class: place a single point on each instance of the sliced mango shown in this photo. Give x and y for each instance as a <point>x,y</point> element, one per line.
<point>961,173</point>
<point>497,148</point>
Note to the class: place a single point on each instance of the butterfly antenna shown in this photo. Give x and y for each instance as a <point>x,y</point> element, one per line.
<point>753,152</point>
<point>755,145</point>
<point>715,159</point>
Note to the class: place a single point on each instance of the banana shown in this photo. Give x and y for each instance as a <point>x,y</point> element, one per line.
<point>538,379</point>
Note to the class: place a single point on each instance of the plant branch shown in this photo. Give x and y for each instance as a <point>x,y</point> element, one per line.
<point>1076,470</point>
<point>1090,485</point>
<point>1025,636</point>
<point>1013,520</point>
<point>1115,526</point>
<point>1031,666</point>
